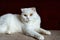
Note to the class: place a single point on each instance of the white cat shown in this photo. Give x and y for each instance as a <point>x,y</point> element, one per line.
<point>27,23</point>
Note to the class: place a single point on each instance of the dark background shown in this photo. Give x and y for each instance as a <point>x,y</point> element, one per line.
<point>49,10</point>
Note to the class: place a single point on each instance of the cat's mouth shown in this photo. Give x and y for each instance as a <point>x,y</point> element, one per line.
<point>27,21</point>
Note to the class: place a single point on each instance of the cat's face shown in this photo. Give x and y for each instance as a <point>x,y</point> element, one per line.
<point>28,14</point>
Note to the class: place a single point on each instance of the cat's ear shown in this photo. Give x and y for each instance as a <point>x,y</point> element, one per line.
<point>22,9</point>
<point>33,8</point>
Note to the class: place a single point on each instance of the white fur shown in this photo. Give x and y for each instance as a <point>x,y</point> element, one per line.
<point>29,25</point>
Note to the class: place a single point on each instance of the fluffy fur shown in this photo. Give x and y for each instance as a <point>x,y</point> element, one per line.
<point>27,23</point>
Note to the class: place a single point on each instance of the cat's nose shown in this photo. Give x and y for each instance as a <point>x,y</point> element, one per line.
<point>28,18</point>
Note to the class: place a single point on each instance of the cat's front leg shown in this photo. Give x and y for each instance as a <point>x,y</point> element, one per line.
<point>35,34</point>
<point>44,31</point>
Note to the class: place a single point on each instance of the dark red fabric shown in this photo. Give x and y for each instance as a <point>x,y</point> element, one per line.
<point>49,10</point>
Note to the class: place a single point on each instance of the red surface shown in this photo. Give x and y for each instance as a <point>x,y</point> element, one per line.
<point>48,10</point>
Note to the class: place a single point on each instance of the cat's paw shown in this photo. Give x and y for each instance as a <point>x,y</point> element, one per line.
<point>41,38</point>
<point>48,33</point>
<point>9,33</point>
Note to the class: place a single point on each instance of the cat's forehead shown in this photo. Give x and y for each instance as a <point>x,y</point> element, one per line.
<point>27,10</point>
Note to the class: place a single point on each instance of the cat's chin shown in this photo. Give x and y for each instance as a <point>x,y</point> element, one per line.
<point>27,21</point>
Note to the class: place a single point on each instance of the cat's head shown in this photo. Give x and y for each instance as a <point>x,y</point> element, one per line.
<point>28,14</point>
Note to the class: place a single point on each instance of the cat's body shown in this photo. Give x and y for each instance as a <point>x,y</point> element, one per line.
<point>11,24</point>
<point>28,23</point>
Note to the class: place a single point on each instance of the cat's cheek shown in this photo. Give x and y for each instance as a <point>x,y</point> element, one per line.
<point>23,17</point>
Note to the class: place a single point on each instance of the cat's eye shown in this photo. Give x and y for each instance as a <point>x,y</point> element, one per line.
<point>25,15</point>
<point>31,14</point>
